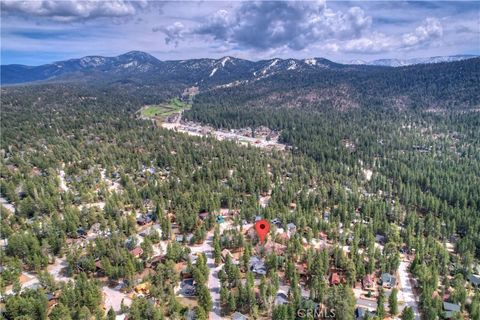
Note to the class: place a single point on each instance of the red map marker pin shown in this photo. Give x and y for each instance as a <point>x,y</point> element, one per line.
<point>262,227</point>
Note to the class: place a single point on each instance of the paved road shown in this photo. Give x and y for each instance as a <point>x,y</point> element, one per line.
<point>213,281</point>
<point>406,292</point>
<point>369,304</point>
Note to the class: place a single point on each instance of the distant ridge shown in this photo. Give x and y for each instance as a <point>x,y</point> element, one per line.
<point>413,61</point>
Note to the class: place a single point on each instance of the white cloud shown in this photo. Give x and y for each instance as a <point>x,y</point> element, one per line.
<point>274,24</point>
<point>376,42</point>
<point>74,9</point>
<point>430,29</point>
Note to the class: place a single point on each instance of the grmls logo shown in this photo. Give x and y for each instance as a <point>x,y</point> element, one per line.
<point>316,313</point>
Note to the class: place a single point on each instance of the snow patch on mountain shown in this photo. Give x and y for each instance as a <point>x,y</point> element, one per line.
<point>225,60</point>
<point>213,72</point>
<point>292,65</point>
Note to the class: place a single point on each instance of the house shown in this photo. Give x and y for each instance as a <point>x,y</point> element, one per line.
<point>136,252</point>
<point>291,227</point>
<point>187,287</point>
<point>99,266</point>
<point>238,316</point>
<point>281,298</point>
<point>449,309</point>
<point>277,222</point>
<point>379,238</point>
<point>388,281</point>
<point>155,261</point>
<point>144,220</point>
<point>257,266</point>
<point>367,282</point>
<point>334,279</point>
<point>81,232</point>
<point>474,280</point>
<point>143,288</point>
<point>52,299</point>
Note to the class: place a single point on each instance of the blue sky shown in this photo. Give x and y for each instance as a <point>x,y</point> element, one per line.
<point>38,32</point>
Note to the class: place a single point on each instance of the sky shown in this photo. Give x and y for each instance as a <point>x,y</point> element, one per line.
<point>42,31</point>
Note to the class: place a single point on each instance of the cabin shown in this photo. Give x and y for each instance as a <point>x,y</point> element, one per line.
<point>277,222</point>
<point>388,281</point>
<point>136,252</point>
<point>144,220</point>
<point>281,298</point>
<point>257,266</point>
<point>292,228</point>
<point>99,267</point>
<point>155,261</point>
<point>449,309</point>
<point>474,279</point>
<point>143,288</point>
<point>187,287</point>
<point>81,233</point>
<point>380,239</point>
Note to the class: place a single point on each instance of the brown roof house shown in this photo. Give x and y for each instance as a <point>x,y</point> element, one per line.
<point>136,252</point>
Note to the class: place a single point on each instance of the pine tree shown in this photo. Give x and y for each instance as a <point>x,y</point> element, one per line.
<point>392,302</point>
<point>111,314</point>
<point>381,304</point>
<point>407,314</point>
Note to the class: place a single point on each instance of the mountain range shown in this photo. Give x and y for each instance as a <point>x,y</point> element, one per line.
<point>439,82</point>
<point>226,71</point>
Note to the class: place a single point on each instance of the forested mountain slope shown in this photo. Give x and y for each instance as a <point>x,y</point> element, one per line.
<point>274,82</point>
